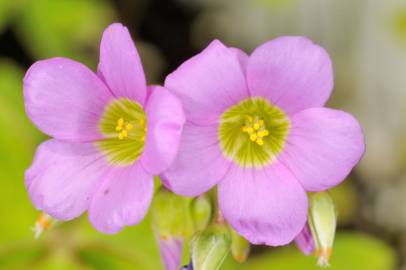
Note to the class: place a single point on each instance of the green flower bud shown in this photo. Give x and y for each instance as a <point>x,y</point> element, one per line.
<point>322,221</point>
<point>171,215</point>
<point>240,247</point>
<point>210,247</point>
<point>201,212</point>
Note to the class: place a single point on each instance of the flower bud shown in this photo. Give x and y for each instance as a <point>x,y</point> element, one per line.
<point>201,212</point>
<point>172,224</point>
<point>210,247</point>
<point>43,223</point>
<point>304,240</point>
<point>171,214</point>
<point>240,247</point>
<point>322,221</point>
<point>170,250</point>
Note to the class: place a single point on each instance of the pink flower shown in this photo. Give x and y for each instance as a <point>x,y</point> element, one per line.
<point>256,126</point>
<point>111,133</point>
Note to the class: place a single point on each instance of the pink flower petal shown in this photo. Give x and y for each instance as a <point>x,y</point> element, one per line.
<point>65,99</point>
<point>322,147</point>
<point>292,72</point>
<point>199,165</point>
<point>63,176</point>
<point>170,250</point>
<point>304,241</point>
<point>122,200</point>
<point>242,57</point>
<point>266,206</point>
<point>165,119</point>
<point>209,83</point>
<point>120,65</point>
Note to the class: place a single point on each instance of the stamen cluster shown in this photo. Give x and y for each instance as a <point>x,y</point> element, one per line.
<point>256,129</point>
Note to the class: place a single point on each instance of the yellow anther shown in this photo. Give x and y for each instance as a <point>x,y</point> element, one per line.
<point>253,137</point>
<point>263,133</point>
<point>259,142</point>
<point>118,128</point>
<point>129,126</point>
<point>261,123</point>
<point>120,122</point>
<point>256,126</point>
<point>246,129</point>
<point>250,130</point>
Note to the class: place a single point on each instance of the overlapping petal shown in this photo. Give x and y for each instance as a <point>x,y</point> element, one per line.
<point>122,199</point>
<point>292,72</point>
<point>209,83</point>
<point>322,147</point>
<point>65,99</point>
<point>165,122</point>
<point>63,177</point>
<point>266,206</point>
<point>199,165</point>
<point>120,65</point>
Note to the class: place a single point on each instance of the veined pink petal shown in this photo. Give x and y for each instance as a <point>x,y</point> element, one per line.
<point>292,72</point>
<point>322,147</point>
<point>65,99</point>
<point>304,241</point>
<point>63,177</point>
<point>165,119</point>
<point>199,165</point>
<point>122,199</point>
<point>209,83</point>
<point>266,206</point>
<point>120,65</point>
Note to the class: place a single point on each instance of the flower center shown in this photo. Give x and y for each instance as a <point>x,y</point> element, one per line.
<point>253,132</point>
<point>123,125</point>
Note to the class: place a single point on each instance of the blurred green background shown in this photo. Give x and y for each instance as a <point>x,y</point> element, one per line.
<point>365,38</point>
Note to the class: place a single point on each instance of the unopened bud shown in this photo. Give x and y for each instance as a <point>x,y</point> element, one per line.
<point>201,212</point>
<point>171,214</point>
<point>322,221</point>
<point>240,247</point>
<point>210,247</point>
<point>304,240</point>
<point>43,223</point>
<point>170,250</point>
<point>171,222</point>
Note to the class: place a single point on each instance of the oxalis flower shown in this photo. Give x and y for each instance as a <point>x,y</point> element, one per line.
<point>256,126</point>
<point>111,133</point>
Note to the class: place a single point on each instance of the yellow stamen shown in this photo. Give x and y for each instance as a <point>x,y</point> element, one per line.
<point>253,137</point>
<point>260,142</point>
<point>129,126</point>
<point>120,122</point>
<point>256,126</point>
<point>263,133</point>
